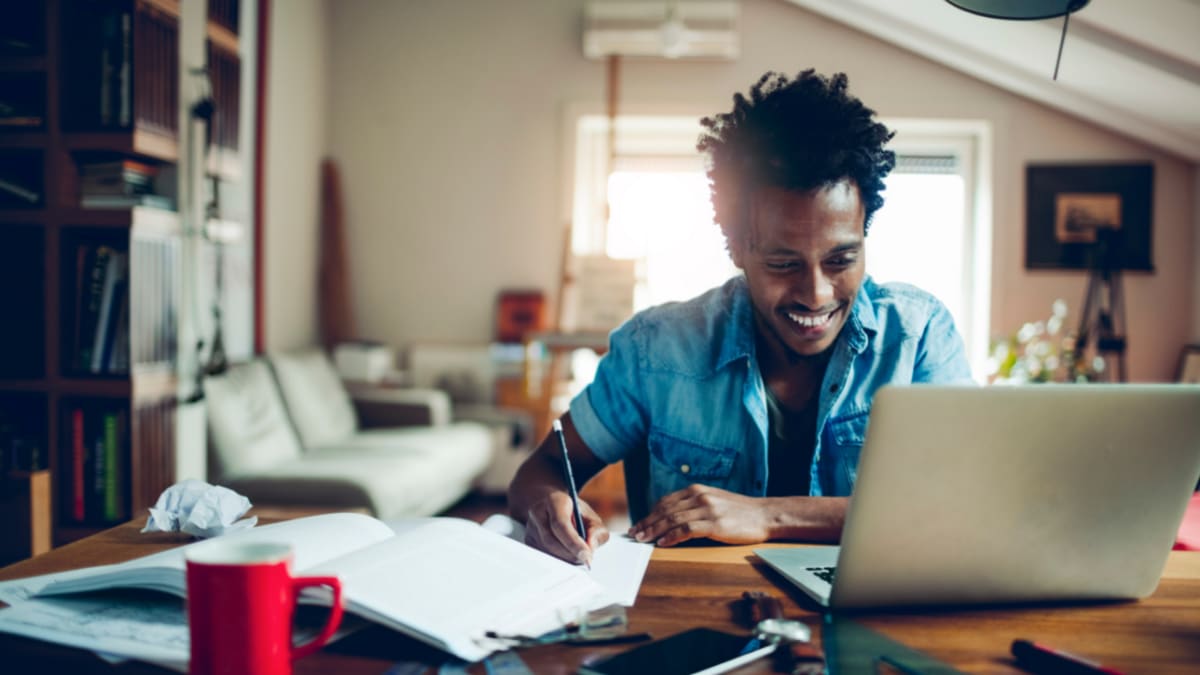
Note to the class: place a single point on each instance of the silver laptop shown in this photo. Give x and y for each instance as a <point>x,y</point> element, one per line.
<point>972,495</point>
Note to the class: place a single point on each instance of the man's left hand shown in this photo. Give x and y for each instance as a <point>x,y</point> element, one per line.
<point>700,511</point>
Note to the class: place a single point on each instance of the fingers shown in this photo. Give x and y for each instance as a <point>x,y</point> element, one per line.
<point>550,527</point>
<point>597,531</point>
<point>677,526</point>
<point>680,526</point>
<point>699,511</point>
<point>671,512</point>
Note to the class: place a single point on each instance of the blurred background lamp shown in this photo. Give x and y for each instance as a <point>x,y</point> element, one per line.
<point>1020,9</point>
<point>1026,10</point>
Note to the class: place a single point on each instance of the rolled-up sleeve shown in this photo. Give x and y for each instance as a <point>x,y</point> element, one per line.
<point>610,413</point>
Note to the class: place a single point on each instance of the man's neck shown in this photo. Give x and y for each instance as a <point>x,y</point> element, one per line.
<point>793,378</point>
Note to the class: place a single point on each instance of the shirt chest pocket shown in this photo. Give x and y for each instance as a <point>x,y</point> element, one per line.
<point>677,463</point>
<point>844,438</point>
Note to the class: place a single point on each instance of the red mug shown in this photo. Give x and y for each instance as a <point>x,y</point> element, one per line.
<point>240,600</point>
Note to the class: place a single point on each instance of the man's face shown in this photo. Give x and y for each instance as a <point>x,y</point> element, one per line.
<point>804,261</point>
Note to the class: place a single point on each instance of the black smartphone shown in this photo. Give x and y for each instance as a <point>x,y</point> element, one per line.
<point>699,651</point>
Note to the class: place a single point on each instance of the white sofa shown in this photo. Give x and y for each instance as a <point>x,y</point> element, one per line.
<point>284,430</point>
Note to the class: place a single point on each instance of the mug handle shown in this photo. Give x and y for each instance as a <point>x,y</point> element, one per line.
<point>335,613</point>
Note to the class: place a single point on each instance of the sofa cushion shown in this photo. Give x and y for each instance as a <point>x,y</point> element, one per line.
<point>248,426</point>
<point>315,398</point>
<point>396,472</point>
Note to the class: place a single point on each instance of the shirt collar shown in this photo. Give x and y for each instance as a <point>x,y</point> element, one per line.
<point>738,341</point>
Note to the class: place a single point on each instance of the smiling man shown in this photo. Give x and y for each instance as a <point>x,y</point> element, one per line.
<point>740,414</point>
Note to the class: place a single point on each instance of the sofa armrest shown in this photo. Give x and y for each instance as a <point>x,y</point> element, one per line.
<point>395,407</point>
<point>519,423</point>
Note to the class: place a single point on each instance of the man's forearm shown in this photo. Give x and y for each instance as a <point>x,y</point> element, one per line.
<point>536,478</point>
<point>816,519</point>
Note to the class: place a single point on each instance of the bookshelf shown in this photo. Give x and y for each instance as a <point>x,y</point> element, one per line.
<point>91,247</point>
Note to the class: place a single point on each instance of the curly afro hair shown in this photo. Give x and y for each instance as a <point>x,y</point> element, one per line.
<point>800,134</point>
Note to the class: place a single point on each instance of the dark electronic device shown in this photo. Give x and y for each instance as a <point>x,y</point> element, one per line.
<point>699,651</point>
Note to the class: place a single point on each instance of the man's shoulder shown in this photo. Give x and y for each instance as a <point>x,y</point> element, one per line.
<point>687,335</point>
<point>902,307</point>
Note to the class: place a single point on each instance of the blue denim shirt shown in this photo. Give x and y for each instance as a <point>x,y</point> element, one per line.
<point>681,380</point>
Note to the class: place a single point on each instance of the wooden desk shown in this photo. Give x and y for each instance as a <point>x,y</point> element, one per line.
<point>694,586</point>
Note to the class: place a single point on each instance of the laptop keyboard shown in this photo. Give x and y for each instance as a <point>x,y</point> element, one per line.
<point>825,573</point>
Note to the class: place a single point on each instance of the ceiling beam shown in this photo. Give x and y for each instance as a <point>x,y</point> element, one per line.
<point>938,32</point>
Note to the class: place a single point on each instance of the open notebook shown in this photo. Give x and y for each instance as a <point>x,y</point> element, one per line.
<point>444,581</point>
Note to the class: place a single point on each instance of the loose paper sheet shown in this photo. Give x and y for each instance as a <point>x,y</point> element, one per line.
<point>618,565</point>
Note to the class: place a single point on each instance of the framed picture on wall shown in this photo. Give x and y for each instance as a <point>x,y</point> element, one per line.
<point>1075,212</point>
<point>1189,365</point>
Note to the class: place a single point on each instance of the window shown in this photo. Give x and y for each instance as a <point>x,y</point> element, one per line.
<point>934,230</point>
<point>658,209</point>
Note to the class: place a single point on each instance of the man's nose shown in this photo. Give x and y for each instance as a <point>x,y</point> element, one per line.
<point>814,289</point>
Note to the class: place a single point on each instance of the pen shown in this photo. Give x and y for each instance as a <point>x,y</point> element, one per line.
<point>1042,659</point>
<point>562,442</point>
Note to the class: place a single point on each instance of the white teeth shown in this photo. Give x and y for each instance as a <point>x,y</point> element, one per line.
<point>811,321</point>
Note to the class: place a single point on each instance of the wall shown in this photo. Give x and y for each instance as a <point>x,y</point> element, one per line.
<point>297,125</point>
<point>446,119</point>
<point>1196,255</point>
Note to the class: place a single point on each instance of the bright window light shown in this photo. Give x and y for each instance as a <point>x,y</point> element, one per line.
<point>666,220</point>
<point>917,238</point>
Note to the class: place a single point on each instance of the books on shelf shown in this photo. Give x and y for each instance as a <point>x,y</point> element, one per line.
<point>444,581</point>
<point>120,177</point>
<point>121,184</point>
<point>114,46</point>
<point>93,480</point>
<point>101,338</point>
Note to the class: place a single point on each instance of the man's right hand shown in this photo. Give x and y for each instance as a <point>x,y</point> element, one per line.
<point>550,527</point>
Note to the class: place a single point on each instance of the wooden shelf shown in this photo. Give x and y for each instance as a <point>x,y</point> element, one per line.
<point>168,7</point>
<point>144,218</point>
<point>13,139</point>
<point>58,276</point>
<point>140,142</point>
<point>22,216</point>
<point>104,386</point>
<point>223,38</point>
<point>147,383</point>
<point>23,385</point>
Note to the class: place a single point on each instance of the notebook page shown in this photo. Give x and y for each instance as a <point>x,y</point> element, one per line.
<point>314,540</point>
<point>452,581</point>
<point>618,565</point>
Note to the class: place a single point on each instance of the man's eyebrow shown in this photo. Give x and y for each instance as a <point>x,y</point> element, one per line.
<point>846,248</point>
<point>840,248</point>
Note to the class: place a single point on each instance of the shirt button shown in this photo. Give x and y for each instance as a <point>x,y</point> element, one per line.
<point>684,468</point>
<point>833,389</point>
<point>758,484</point>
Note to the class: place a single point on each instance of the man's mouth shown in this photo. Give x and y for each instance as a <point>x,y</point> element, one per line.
<point>811,321</point>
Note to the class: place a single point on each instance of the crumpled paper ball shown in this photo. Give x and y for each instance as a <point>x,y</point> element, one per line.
<point>199,509</point>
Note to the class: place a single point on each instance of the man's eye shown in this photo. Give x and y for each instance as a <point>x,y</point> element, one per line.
<point>841,261</point>
<point>781,266</point>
